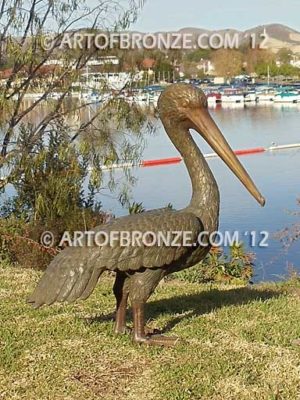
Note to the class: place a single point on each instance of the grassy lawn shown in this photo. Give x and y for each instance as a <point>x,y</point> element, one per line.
<point>237,343</point>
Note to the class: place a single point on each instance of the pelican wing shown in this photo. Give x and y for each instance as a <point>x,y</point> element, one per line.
<point>74,272</point>
<point>153,225</point>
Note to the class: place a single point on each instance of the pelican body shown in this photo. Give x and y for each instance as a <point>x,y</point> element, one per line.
<point>75,271</point>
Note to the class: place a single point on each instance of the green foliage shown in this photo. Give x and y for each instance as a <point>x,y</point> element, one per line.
<point>57,175</point>
<point>136,208</point>
<point>284,55</point>
<point>286,70</point>
<point>163,66</point>
<point>48,178</point>
<point>31,38</point>
<point>198,55</point>
<point>235,268</point>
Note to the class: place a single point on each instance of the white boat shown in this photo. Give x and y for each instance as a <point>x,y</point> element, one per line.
<point>287,97</point>
<point>265,95</point>
<point>232,98</point>
<point>250,97</point>
<point>110,80</point>
<point>143,97</point>
<point>213,98</point>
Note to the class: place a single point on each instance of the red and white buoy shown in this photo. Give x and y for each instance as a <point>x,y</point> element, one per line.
<point>176,160</point>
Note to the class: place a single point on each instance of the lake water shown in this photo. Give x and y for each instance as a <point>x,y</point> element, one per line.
<point>276,174</point>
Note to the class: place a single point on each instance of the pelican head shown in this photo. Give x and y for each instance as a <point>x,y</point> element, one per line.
<point>186,106</point>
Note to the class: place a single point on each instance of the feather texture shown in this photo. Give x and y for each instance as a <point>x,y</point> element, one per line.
<point>73,274</point>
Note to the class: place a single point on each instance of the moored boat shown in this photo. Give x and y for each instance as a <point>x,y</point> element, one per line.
<point>265,95</point>
<point>214,98</point>
<point>250,96</point>
<point>232,96</point>
<point>287,97</point>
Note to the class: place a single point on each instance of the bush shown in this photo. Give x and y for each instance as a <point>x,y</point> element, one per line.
<point>56,172</point>
<point>236,268</point>
<point>48,179</point>
<point>20,240</point>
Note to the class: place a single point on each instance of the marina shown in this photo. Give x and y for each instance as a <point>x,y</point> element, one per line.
<point>97,88</point>
<point>215,94</point>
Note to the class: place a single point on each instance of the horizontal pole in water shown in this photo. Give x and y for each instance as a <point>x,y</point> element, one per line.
<point>119,166</point>
<point>176,160</point>
<point>250,151</point>
<point>162,161</point>
<point>284,146</point>
<point>240,152</point>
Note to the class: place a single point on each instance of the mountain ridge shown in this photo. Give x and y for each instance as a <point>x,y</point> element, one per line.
<point>280,35</point>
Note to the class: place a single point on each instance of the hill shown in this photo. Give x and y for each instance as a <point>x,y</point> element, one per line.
<point>280,36</point>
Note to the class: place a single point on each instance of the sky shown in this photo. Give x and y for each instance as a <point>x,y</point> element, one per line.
<point>165,15</point>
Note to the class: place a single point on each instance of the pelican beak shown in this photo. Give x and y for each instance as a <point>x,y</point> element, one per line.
<point>203,123</point>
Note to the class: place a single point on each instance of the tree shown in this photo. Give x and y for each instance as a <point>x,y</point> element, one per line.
<point>33,33</point>
<point>198,55</point>
<point>50,158</point>
<point>191,70</point>
<point>255,58</point>
<point>288,70</point>
<point>284,55</point>
<point>262,69</point>
<point>227,62</point>
<point>163,67</point>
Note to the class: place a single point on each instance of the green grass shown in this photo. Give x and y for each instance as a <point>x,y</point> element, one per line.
<point>237,343</point>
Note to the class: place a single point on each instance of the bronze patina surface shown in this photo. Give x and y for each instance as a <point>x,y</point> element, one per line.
<point>74,273</point>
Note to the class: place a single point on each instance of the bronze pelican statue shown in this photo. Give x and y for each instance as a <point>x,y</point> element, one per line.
<point>74,272</point>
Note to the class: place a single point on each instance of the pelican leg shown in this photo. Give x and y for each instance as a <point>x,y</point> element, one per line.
<point>139,334</point>
<point>121,294</point>
<point>142,285</point>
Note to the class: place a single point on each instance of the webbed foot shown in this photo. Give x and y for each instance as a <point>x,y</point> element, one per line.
<point>157,340</point>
